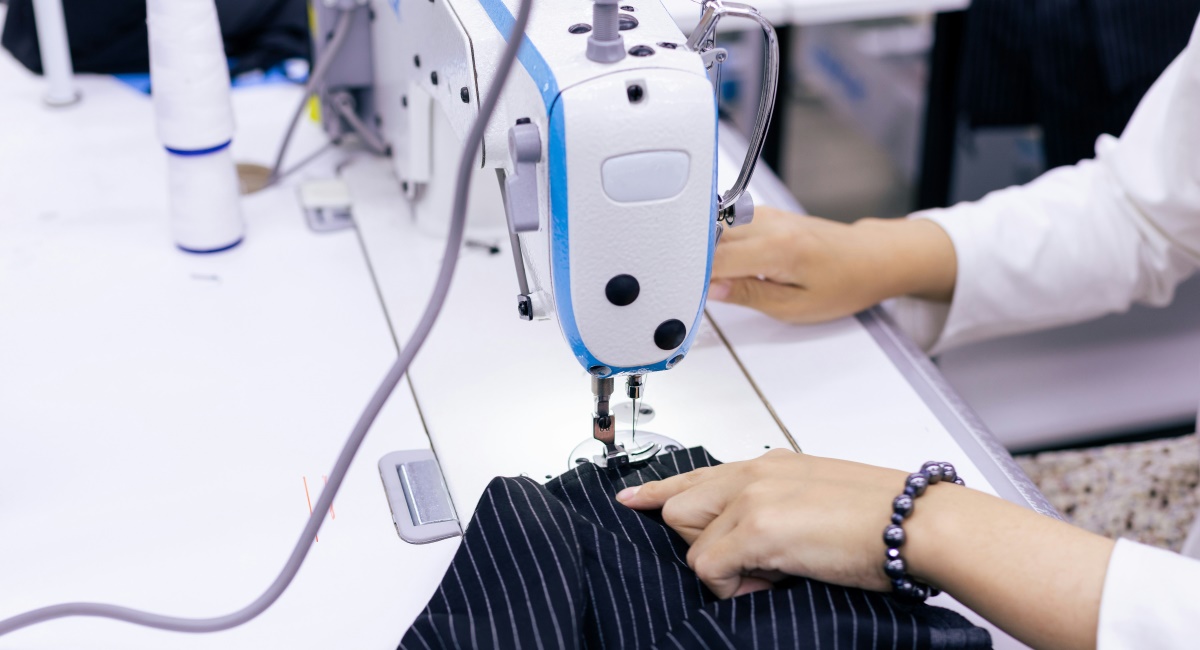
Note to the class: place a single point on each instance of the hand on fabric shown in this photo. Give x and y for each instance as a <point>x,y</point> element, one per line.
<point>806,269</point>
<point>784,513</point>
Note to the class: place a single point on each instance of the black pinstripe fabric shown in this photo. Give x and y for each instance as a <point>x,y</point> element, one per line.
<point>1077,68</point>
<point>564,565</point>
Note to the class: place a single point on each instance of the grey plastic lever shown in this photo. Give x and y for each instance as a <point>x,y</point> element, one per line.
<point>520,188</point>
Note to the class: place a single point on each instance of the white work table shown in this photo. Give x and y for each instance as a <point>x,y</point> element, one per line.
<point>162,415</point>
<point>166,418</point>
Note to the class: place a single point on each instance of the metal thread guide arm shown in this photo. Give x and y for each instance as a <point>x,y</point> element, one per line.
<point>735,207</point>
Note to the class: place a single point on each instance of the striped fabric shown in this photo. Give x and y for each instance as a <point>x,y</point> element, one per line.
<point>564,565</point>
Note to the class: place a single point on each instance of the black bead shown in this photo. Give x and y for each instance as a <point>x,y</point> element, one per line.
<point>903,505</point>
<point>622,289</point>
<point>893,553</point>
<point>933,471</point>
<point>903,587</point>
<point>919,592</point>
<point>897,518</point>
<point>910,491</point>
<point>895,568</point>
<point>893,536</point>
<point>948,472</point>
<point>959,481</point>
<point>670,334</point>
<point>918,483</point>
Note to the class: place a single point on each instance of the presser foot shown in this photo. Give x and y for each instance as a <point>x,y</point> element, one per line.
<point>626,450</point>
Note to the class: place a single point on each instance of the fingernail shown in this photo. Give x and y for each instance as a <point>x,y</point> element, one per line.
<point>718,290</point>
<point>628,493</point>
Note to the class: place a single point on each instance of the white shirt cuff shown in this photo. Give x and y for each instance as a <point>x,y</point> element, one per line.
<point>1151,600</point>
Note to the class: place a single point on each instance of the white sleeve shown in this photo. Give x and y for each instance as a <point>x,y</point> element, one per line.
<point>1151,600</point>
<point>1080,241</point>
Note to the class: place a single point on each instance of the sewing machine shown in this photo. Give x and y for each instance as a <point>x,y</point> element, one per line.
<point>605,146</point>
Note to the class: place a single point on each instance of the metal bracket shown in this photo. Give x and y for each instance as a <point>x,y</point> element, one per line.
<point>525,306</point>
<point>702,40</point>
<point>519,193</point>
<point>740,213</point>
<point>715,56</point>
<point>418,165</point>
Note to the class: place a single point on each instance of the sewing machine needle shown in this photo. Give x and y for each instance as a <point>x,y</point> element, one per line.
<point>633,429</point>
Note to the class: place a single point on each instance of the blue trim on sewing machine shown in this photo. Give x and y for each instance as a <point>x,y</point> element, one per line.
<point>206,251</point>
<point>712,231</point>
<point>533,62</point>
<point>198,152</point>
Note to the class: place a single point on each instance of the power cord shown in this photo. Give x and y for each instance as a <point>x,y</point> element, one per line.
<point>321,68</point>
<point>454,242</point>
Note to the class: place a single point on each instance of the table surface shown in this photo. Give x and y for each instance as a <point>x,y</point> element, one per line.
<point>165,419</point>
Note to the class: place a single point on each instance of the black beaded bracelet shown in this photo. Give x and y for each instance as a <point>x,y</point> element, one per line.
<point>903,585</point>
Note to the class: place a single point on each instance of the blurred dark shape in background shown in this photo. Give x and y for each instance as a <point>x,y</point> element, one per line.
<point>110,37</point>
<point>1077,68</point>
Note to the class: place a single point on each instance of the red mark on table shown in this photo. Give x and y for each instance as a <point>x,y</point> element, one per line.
<point>309,500</point>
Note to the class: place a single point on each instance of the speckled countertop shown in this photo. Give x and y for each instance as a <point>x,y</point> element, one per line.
<point>1145,491</point>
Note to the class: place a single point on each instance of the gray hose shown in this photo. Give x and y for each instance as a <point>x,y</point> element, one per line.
<point>454,241</point>
<point>343,103</point>
<point>321,68</point>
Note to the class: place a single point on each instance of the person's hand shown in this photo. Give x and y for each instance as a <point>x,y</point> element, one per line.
<point>782,513</point>
<point>750,523</point>
<point>806,269</point>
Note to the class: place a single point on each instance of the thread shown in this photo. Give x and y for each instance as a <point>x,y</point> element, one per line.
<point>189,79</point>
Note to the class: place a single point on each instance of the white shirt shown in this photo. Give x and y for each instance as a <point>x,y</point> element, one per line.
<point>1078,243</point>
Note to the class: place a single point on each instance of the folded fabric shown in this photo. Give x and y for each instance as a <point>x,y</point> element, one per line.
<point>565,565</point>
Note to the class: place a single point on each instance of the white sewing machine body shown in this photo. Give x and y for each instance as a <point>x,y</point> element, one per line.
<point>622,181</point>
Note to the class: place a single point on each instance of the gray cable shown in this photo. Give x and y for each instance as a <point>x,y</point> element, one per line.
<point>300,165</point>
<point>343,103</point>
<point>454,241</point>
<point>340,31</point>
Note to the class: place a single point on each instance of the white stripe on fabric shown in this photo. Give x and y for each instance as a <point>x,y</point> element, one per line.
<point>536,565</point>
